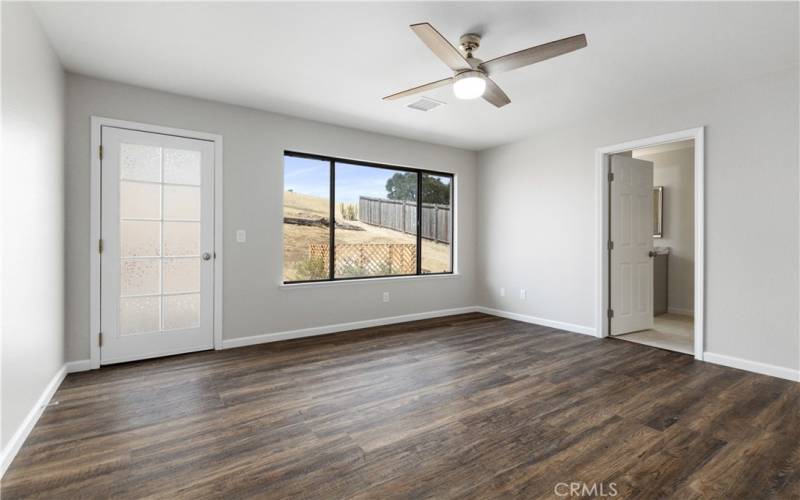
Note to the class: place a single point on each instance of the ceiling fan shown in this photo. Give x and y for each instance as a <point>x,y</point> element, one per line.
<point>471,75</point>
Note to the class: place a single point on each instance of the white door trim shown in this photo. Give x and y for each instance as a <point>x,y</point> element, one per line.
<point>601,206</point>
<point>95,213</point>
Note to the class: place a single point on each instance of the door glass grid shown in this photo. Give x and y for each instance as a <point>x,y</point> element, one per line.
<point>160,228</point>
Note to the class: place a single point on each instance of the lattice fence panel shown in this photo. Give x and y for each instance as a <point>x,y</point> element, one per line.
<point>375,259</point>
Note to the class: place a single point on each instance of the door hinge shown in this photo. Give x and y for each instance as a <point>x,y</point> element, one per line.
<point>100,339</point>
<point>100,245</point>
<point>611,177</point>
<point>101,151</point>
<point>610,245</point>
<point>610,313</point>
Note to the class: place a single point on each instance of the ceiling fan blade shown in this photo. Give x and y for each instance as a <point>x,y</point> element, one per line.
<point>533,54</point>
<point>494,94</point>
<point>421,88</point>
<point>440,46</point>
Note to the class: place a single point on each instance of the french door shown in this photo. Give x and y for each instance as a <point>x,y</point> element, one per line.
<point>157,259</point>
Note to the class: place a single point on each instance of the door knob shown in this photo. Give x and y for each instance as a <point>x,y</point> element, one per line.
<point>651,253</point>
<point>206,256</point>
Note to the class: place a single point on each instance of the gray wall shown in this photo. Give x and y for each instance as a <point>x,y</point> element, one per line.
<point>537,215</point>
<point>254,142</point>
<point>32,216</point>
<point>675,171</point>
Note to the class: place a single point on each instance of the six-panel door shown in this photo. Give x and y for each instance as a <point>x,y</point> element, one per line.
<point>631,272</point>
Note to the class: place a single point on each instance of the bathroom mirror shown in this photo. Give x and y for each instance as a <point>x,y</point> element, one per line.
<point>658,211</point>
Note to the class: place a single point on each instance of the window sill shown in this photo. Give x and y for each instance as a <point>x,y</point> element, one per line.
<point>389,279</point>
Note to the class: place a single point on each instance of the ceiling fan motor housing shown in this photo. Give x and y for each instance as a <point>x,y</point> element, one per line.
<point>469,43</point>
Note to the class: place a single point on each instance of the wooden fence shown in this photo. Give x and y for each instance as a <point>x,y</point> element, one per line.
<point>402,216</point>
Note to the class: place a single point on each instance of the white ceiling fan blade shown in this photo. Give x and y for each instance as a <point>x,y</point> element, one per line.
<point>421,88</point>
<point>440,46</point>
<point>494,94</point>
<point>533,54</point>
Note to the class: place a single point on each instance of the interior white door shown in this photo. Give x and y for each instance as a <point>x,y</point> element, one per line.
<point>631,270</point>
<point>157,260</point>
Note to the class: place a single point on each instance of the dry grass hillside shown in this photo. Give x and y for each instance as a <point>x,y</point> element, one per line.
<point>304,205</point>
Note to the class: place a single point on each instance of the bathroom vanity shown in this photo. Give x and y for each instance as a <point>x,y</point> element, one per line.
<point>660,285</point>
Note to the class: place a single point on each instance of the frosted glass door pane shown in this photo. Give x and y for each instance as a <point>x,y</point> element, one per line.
<point>139,162</point>
<point>181,202</point>
<point>140,277</point>
<point>160,213</point>
<point>140,238</point>
<point>139,314</point>
<point>140,200</point>
<point>182,166</point>
<point>181,238</point>
<point>181,275</point>
<point>181,311</point>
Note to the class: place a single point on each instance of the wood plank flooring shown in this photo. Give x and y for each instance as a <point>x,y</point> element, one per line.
<point>468,406</point>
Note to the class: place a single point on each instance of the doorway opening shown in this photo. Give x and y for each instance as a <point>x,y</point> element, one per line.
<point>651,241</point>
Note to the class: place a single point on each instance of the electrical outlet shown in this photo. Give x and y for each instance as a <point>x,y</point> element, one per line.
<point>523,294</point>
<point>241,236</point>
<point>386,297</point>
<point>502,292</point>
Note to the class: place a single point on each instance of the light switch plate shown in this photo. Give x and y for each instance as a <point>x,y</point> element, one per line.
<point>241,236</point>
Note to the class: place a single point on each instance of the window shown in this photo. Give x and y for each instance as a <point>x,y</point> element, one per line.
<point>437,218</point>
<point>345,219</point>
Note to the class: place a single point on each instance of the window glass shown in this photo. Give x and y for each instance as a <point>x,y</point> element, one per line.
<point>376,230</point>
<point>306,216</point>
<point>373,220</point>
<point>437,223</point>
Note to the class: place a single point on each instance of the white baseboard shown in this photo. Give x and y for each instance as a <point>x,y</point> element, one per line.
<point>15,443</point>
<point>681,312</point>
<point>585,330</point>
<point>752,366</point>
<point>83,365</point>
<point>340,327</point>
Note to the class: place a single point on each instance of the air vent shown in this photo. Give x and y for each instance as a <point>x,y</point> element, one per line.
<point>425,104</point>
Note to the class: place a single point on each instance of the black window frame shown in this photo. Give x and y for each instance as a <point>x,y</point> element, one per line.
<point>332,213</point>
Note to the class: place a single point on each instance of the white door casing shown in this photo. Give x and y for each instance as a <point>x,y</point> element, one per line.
<point>157,264</point>
<point>631,269</point>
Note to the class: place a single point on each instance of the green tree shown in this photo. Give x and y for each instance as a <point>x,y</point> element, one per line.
<point>403,186</point>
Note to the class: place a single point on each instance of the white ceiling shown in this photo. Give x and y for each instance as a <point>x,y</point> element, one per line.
<point>333,62</point>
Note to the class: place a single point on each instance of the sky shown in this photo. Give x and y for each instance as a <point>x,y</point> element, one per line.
<point>308,176</point>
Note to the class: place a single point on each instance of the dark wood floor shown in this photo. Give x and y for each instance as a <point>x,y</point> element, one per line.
<point>469,406</point>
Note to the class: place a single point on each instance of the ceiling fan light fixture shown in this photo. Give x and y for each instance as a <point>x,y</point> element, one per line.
<point>469,85</point>
<point>473,77</point>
